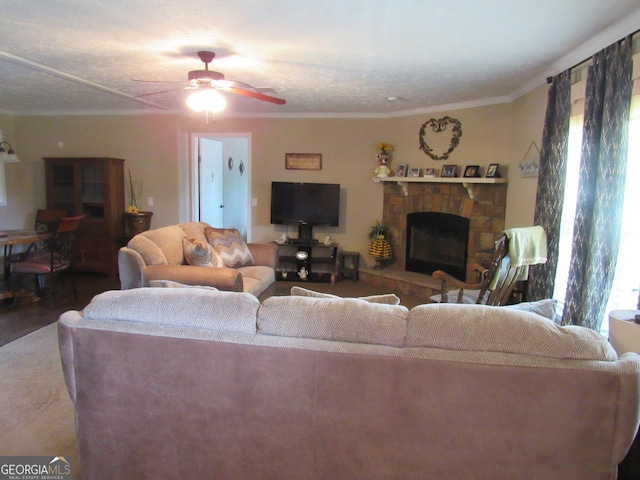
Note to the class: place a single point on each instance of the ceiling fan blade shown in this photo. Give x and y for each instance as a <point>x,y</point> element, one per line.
<point>161,91</point>
<point>156,81</point>
<point>253,94</point>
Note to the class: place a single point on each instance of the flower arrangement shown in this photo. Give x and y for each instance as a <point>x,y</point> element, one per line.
<point>385,147</point>
<point>133,196</point>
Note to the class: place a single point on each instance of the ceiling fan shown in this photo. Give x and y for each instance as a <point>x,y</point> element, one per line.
<point>207,81</point>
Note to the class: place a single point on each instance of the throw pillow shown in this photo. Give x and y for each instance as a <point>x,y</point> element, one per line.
<point>386,298</point>
<point>230,245</point>
<point>545,308</point>
<point>200,253</point>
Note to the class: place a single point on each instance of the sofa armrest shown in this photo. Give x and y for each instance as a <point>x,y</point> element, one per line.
<point>264,254</point>
<point>228,279</point>
<point>130,267</point>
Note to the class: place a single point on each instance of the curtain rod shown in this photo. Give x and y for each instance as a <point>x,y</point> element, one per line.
<point>549,79</point>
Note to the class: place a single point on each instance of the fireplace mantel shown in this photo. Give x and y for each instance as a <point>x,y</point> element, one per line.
<point>467,183</point>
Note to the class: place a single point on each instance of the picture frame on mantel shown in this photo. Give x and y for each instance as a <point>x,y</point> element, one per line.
<point>492,171</point>
<point>303,161</point>
<point>471,171</point>
<point>448,171</point>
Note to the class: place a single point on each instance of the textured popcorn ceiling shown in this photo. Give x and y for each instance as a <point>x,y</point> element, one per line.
<point>325,57</point>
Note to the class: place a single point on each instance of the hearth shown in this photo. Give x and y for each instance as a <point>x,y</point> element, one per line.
<point>437,241</point>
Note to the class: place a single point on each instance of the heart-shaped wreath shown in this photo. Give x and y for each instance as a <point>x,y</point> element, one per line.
<point>439,126</point>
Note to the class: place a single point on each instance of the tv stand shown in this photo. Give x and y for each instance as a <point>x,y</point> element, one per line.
<point>317,259</point>
<point>299,241</point>
<point>305,233</point>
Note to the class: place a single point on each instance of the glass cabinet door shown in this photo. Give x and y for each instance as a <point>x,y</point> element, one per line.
<point>91,185</point>
<point>63,188</point>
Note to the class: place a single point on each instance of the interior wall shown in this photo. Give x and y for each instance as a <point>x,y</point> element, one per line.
<point>157,149</point>
<point>527,115</point>
<point>15,214</point>
<point>148,143</point>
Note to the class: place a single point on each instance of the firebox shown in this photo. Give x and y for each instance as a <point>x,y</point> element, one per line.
<point>437,241</point>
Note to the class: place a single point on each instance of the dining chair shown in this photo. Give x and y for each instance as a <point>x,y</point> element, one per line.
<point>46,221</point>
<point>56,259</point>
<point>497,281</point>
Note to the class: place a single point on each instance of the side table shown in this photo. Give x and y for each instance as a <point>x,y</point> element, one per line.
<point>349,264</point>
<point>624,335</point>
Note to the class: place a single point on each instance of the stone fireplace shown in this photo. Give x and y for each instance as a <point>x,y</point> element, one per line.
<point>437,241</point>
<point>485,213</point>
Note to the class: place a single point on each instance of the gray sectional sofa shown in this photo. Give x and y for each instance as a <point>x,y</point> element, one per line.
<point>200,384</point>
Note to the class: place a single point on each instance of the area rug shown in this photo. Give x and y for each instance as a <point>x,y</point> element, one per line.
<point>36,413</point>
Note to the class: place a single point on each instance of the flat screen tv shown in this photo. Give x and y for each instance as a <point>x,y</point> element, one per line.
<point>305,205</point>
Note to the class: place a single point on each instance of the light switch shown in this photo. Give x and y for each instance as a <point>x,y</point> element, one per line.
<point>150,201</point>
<point>254,202</point>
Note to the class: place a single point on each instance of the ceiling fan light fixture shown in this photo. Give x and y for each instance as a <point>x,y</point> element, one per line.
<point>206,100</point>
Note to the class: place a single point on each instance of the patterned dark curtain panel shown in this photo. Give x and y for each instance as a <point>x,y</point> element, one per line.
<point>601,186</point>
<point>551,179</point>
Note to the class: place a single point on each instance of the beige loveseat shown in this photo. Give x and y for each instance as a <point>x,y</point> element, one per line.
<point>202,384</point>
<point>159,254</point>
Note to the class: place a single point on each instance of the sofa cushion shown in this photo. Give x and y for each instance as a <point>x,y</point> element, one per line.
<point>181,307</point>
<point>545,308</point>
<point>339,319</point>
<point>388,298</point>
<point>150,252</point>
<point>169,239</point>
<point>482,328</point>
<point>256,278</point>
<point>200,253</point>
<point>172,284</point>
<point>230,246</point>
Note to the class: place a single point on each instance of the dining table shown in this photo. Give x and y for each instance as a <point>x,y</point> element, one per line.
<point>9,238</point>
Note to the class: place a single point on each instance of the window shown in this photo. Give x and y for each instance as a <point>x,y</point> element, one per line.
<point>624,294</point>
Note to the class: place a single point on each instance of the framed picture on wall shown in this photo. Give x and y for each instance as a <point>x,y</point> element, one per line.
<point>401,170</point>
<point>303,161</point>
<point>448,171</point>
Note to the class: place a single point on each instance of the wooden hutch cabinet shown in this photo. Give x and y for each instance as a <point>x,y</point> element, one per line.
<point>93,187</point>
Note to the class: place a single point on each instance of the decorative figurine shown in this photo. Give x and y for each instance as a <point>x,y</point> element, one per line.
<point>383,170</point>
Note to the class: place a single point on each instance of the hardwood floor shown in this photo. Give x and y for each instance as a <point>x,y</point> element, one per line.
<point>27,316</point>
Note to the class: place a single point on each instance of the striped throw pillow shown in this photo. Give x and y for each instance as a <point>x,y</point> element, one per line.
<point>230,246</point>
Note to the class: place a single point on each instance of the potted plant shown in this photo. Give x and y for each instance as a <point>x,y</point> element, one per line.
<point>136,220</point>
<point>380,246</point>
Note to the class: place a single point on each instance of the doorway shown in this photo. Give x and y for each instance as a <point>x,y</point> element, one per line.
<point>221,181</point>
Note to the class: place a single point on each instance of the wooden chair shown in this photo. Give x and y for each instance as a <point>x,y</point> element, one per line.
<point>496,282</point>
<point>56,259</point>
<point>46,221</point>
